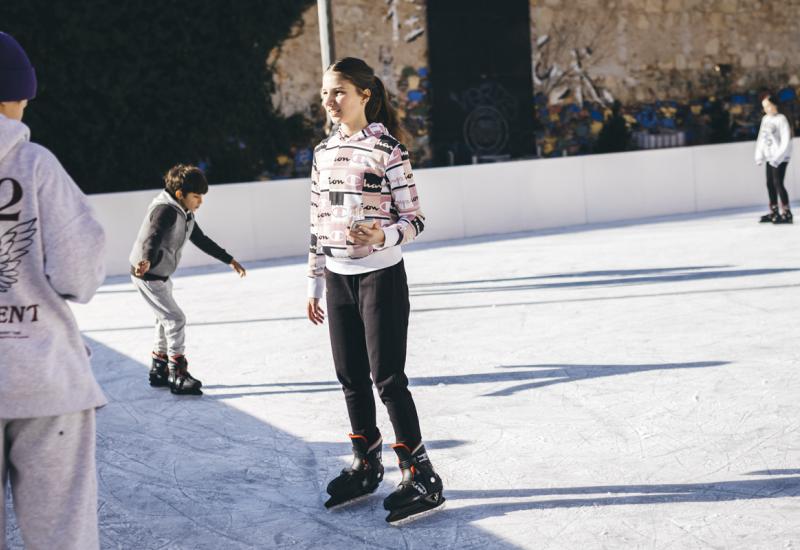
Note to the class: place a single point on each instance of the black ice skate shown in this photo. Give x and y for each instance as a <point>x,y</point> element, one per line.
<point>419,491</point>
<point>771,216</point>
<point>362,477</point>
<point>159,371</point>
<point>786,217</point>
<point>180,381</point>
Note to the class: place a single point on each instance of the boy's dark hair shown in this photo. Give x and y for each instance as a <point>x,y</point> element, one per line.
<point>187,178</point>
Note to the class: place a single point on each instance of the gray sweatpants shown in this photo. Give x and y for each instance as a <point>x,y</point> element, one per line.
<point>50,462</point>
<point>170,320</point>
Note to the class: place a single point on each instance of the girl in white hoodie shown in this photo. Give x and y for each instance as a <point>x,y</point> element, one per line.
<point>774,147</point>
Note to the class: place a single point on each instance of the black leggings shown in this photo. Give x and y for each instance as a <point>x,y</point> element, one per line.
<point>368,324</point>
<point>775,184</point>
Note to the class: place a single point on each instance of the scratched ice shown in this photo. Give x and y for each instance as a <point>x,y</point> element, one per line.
<point>602,387</point>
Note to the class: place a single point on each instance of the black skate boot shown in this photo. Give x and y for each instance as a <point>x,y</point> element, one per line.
<point>786,217</point>
<point>771,216</point>
<point>180,381</point>
<point>419,491</point>
<point>158,370</point>
<point>362,477</point>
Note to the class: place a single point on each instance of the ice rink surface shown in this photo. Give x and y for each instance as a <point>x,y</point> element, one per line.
<point>613,386</point>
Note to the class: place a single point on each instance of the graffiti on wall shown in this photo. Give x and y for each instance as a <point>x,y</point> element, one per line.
<point>574,81</point>
<point>413,107</point>
<point>564,57</point>
<point>489,108</point>
<point>570,129</point>
<point>413,24</point>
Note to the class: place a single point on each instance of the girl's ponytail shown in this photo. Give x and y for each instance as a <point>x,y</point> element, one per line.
<point>379,109</point>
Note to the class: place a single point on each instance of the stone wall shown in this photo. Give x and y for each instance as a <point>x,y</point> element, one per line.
<point>644,50</point>
<point>686,67</point>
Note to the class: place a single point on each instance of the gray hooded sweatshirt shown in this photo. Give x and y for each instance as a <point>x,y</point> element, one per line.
<point>51,251</point>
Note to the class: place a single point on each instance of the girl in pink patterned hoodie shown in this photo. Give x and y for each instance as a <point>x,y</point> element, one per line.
<point>364,206</point>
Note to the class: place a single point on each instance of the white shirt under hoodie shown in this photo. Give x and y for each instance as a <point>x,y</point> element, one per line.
<point>51,251</point>
<point>774,142</point>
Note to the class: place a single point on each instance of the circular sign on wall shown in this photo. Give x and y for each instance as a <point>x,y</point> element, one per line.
<point>486,131</point>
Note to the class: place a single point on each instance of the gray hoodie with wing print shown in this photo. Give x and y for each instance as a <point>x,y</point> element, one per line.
<point>51,251</point>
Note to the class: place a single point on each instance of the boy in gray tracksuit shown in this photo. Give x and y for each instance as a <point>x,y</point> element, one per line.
<point>51,251</point>
<point>169,223</point>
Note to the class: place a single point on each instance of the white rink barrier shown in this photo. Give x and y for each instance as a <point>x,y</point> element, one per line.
<point>263,220</point>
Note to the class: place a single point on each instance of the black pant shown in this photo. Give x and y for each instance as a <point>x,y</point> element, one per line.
<point>368,323</point>
<point>775,184</point>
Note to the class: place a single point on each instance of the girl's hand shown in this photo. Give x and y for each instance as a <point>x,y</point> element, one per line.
<point>366,233</point>
<point>315,312</point>
<point>237,267</point>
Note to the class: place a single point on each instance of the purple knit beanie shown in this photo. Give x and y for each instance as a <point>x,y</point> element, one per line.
<point>17,77</point>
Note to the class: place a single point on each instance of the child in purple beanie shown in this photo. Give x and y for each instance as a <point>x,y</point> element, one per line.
<point>51,251</point>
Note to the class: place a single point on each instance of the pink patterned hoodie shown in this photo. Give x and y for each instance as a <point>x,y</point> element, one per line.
<point>368,173</point>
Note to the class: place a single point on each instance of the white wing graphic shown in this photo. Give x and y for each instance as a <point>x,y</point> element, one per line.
<point>14,244</point>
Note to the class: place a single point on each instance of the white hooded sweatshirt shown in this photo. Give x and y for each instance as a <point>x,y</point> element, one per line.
<point>774,142</point>
<point>51,251</point>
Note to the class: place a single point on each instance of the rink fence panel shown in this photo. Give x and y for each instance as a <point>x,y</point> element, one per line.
<point>263,220</point>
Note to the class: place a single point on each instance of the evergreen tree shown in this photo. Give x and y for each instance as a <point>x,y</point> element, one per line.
<point>127,89</point>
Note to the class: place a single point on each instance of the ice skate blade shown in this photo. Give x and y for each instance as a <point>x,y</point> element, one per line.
<point>186,392</point>
<point>414,517</point>
<point>346,503</point>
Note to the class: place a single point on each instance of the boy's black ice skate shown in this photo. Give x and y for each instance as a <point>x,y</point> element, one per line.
<point>362,477</point>
<point>419,491</point>
<point>180,381</point>
<point>786,217</point>
<point>770,216</point>
<point>159,373</point>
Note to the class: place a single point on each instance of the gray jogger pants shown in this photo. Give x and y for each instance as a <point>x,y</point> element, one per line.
<point>50,462</point>
<point>170,320</point>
